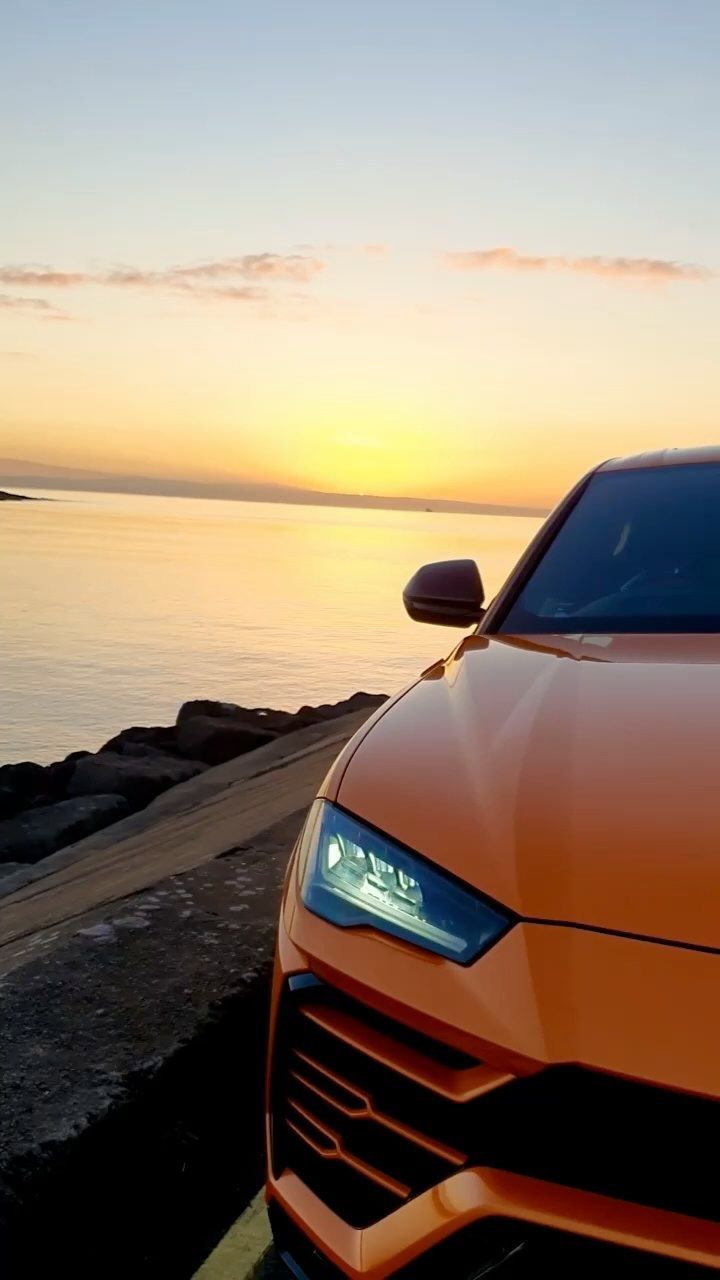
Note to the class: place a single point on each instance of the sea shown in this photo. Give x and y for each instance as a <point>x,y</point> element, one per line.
<point>118,608</point>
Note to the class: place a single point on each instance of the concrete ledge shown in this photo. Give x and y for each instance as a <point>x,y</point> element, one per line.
<point>240,1253</point>
<point>133,997</point>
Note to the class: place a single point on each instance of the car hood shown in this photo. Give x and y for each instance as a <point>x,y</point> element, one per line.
<point>574,780</point>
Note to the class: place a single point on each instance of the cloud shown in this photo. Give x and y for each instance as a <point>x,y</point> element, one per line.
<point>374,250</point>
<point>42,278</point>
<point>243,280</point>
<point>650,270</point>
<point>178,284</point>
<point>35,306</point>
<point>295,268</point>
<point>233,293</point>
<point>11,303</point>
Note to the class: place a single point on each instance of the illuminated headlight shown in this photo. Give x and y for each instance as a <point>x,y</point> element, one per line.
<point>352,875</point>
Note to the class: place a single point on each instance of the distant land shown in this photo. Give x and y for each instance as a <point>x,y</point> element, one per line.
<point>21,474</point>
<point>15,497</point>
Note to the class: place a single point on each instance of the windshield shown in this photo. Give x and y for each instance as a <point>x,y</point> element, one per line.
<point>639,552</point>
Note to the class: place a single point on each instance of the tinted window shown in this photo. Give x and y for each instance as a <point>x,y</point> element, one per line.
<point>639,552</point>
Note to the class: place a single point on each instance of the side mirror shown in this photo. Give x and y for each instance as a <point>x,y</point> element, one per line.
<point>449,594</point>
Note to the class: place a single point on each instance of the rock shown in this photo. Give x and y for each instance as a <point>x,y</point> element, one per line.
<point>33,835</point>
<point>26,785</point>
<point>138,780</point>
<point>265,718</point>
<point>9,868</point>
<point>333,710</point>
<point>206,707</point>
<point>219,731</point>
<point>141,750</point>
<point>153,738</point>
<point>215,740</point>
<point>256,717</point>
<point>19,785</point>
<point>141,762</point>
<point>55,782</point>
<point>272,721</point>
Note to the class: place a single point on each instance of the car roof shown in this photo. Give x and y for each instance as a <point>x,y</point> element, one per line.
<point>663,458</point>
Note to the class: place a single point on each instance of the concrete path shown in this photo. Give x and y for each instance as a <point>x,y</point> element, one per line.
<point>221,811</point>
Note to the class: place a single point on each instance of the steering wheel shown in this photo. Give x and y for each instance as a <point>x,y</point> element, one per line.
<point>657,580</point>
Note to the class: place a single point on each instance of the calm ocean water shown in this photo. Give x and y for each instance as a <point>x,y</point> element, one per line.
<point>119,608</point>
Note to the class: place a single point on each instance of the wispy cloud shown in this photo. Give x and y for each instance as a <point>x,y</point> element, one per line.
<point>10,303</point>
<point>649,270</point>
<point>296,267</point>
<point>33,306</point>
<point>232,292</point>
<point>42,278</point>
<point>247,279</point>
<point>375,250</point>
<point>266,267</point>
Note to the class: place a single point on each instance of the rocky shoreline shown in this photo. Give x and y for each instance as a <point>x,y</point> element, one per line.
<point>44,808</point>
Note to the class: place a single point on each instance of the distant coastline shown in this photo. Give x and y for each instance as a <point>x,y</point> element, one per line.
<point>37,477</point>
<point>17,497</point>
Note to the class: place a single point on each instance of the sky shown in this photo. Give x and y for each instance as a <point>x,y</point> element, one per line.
<point>462,250</point>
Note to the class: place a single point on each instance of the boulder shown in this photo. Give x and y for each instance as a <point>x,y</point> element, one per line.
<point>139,780</point>
<point>33,835</point>
<point>333,710</point>
<point>55,782</point>
<point>207,707</point>
<point>214,740</point>
<point>264,718</point>
<point>19,785</point>
<point>268,720</point>
<point>9,868</point>
<point>141,750</point>
<point>27,785</point>
<point>131,742</point>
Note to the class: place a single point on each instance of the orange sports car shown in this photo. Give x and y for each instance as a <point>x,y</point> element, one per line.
<point>495,1040</point>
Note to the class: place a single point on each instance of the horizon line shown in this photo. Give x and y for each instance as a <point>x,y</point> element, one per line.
<point>86,481</point>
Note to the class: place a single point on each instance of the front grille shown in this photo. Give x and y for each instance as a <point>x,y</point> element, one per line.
<point>370,1114</point>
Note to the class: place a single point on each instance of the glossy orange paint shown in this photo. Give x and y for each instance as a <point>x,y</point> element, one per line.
<point>571,780</point>
<point>543,995</point>
<point>474,1194</point>
<point>574,781</point>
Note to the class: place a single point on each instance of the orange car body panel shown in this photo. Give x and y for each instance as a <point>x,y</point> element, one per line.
<point>544,994</point>
<point>541,995</point>
<point>573,780</point>
<point>474,1194</point>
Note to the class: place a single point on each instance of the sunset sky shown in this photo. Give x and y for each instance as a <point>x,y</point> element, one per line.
<point>462,249</point>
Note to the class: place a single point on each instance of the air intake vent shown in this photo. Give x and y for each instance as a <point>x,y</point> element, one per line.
<point>369,1114</point>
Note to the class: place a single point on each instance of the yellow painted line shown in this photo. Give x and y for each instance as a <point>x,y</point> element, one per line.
<point>240,1252</point>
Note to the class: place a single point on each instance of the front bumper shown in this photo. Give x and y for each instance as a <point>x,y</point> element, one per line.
<point>440,1125</point>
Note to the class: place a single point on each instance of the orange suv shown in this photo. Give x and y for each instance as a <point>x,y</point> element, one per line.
<point>495,1039</point>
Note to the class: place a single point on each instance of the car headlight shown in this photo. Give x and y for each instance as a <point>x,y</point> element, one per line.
<point>352,875</point>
